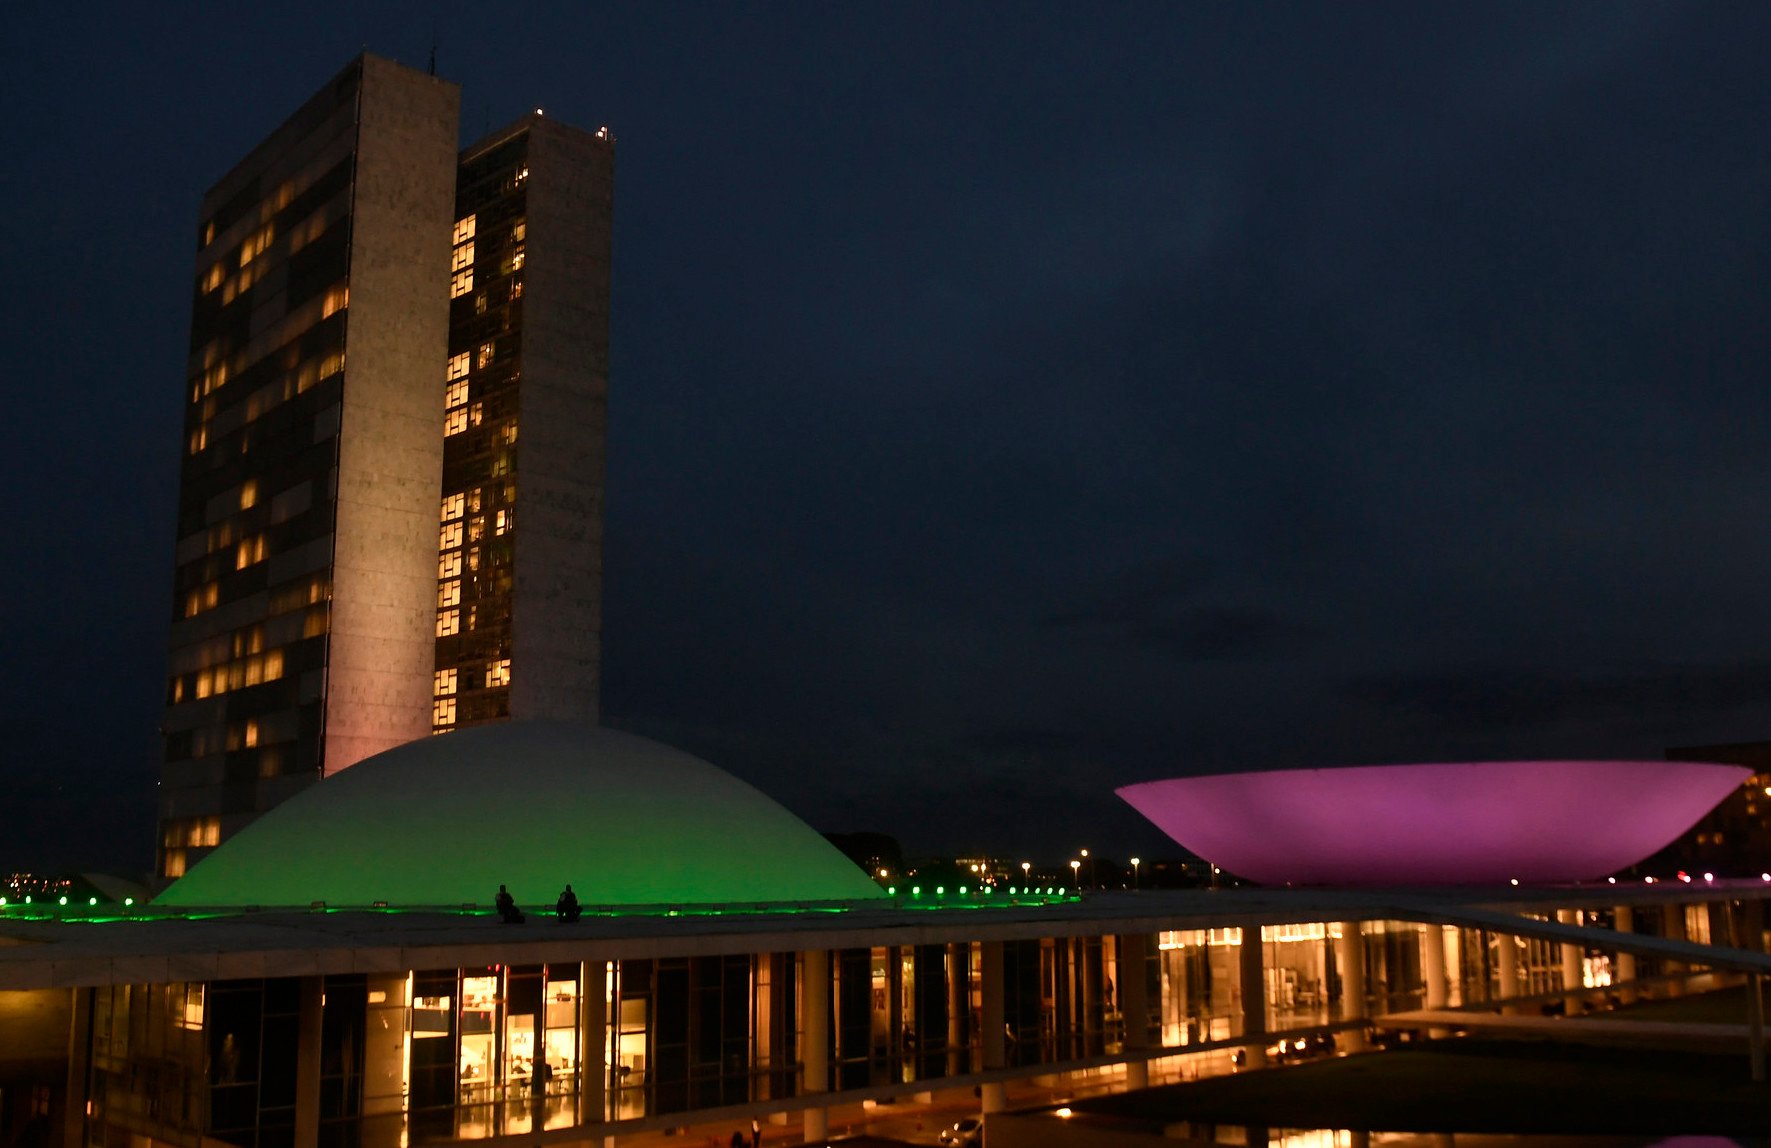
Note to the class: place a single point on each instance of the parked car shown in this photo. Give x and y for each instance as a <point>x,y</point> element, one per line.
<point>968,1133</point>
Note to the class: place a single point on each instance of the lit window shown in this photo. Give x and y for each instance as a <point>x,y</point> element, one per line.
<point>486,352</point>
<point>449,593</point>
<point>453,506</point>
<point>256,244</point>
<point>449,565</point>
<point>463,257</point>
<point>498,673</point>
<point>251,733</point>
<point>521,176</point>
<point>456,394</point>
<point>508,433</point>
<point>476,414</point>
<point>248,494</point>
<point>249,552</point>
<point>457,367</point>
<point>516,288</point>
<point>511,262</point>
<point>174,866</point>
<point>519,231</point>
<point>461,284</point>
<point>448,622</point>
<point>450,537</point>
<point>273,665</point>
<point>337,299</point>
<point>507,520</point>
<point>455,422</point>
<point>443,712</point>
<point>213,279</point>
<point>332,364</point>
<point>464,229</point>
<point>445,683</point>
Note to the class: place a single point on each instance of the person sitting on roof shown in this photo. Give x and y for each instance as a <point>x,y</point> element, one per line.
<point>507,907</point>
<point>566,909</point>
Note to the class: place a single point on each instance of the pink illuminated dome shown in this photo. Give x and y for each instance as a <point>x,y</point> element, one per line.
<point>1464,823</point>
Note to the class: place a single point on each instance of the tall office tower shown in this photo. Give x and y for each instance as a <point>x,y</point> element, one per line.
<point>519,567</point>
<point>303,632</point>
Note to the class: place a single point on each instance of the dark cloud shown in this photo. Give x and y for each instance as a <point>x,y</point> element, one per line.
<point>1008,406</point>
<point>1521,699</point>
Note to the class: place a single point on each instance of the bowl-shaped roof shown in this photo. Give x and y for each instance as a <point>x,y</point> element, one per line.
<point>533,805</point>
<point>1449,824</point>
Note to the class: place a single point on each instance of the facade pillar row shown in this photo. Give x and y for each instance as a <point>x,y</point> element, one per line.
<point>1349,954</point>
<point>814,1006</point>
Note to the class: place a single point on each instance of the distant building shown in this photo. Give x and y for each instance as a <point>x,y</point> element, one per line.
<point>362,354</point>
<point>1734,839</point>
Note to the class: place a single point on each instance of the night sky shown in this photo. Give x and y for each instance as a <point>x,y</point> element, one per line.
<point>1007,401</point>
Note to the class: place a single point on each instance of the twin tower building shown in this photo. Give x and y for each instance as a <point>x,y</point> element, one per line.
<point>391,498</point>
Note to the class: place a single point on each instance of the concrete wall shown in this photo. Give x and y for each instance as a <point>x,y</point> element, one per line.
<point>390,449</point>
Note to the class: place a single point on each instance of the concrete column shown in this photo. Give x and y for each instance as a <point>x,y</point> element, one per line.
<point>994,1096</point>
<point>1755,1025</point>
<point>814,1005</point>
<point>1624,975</point>
<point>1432,963</point>
<point>1349,954</point>
<point>1673,928</point>
<point>1250,966</point>
<point>308,1027</point>
<point>990,973</point>
<point>1507,948</point>
<point>1572,978</point>
<point>73,1115</point>
<point>958,969</point>
<point>1134,1007</point>
<point>384,1060</point>
<point>593,1042</point>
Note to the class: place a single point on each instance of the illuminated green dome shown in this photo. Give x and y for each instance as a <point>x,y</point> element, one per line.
<point>530,804</point>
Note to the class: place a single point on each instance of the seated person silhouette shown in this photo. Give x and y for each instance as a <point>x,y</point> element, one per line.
<point>507,907</point>
<point>567,909</point>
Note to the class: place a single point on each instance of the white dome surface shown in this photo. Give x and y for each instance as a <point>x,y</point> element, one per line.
<point>534,805</point>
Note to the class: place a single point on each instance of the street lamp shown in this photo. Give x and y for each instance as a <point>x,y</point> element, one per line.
<point>1134,873</point>
<point>1091,868</point>
<point>1075,876</point>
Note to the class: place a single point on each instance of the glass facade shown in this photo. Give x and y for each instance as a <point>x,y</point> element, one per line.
<point>285,506</point>
<point>264,385</point>
<point>476,541</point>
<point>495,1050</point>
